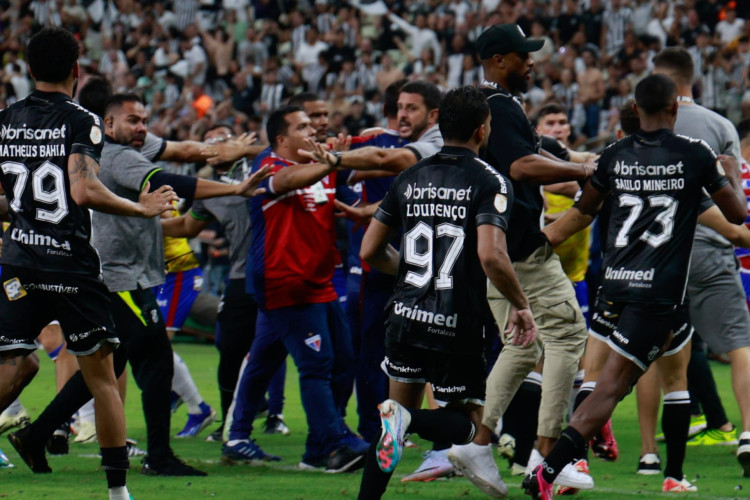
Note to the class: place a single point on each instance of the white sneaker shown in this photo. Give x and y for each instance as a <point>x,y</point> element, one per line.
<point>672,485</point>
<point>569,476</point>
<point>86,433</point>
<point>478,466</point>
<point>395,420</point>
<point>435,465</point>
<point>10,421</point>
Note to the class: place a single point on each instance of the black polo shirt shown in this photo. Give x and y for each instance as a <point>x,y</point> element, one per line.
<point>512,137</point>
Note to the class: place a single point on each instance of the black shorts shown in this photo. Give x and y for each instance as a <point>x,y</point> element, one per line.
<point>641,332</point>
<point>31,299</point>
<point>453,378</point>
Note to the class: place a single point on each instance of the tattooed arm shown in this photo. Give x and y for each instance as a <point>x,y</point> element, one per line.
<point>88,191</point>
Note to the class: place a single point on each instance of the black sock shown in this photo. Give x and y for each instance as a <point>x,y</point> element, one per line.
<point>374,480</point>
<point>442,425</point>
<point>72,396</point>
<point>570,446</point>
<point>226,402</point>
<point>526,418</point>
<point>675,422</point>
<point>115,464</point>
<point>585,391</point>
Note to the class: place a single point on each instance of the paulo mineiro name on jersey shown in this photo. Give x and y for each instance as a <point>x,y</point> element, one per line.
<point>622,169</point>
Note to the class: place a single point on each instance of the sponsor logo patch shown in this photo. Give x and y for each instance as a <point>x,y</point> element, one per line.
<point>14,289</point>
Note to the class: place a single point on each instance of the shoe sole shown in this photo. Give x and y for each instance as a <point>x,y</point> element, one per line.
<point>733,442</point>
<point>648,472</point>
<point>256,462</point>
<point>573,483</point>
<point>477,481</point>
<point>85,440</point>
<point>429,475</point>
<point>152,472</point>
<point>387,447</point>
<point>354,464</point>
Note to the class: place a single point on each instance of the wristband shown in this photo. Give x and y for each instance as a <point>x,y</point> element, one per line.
<point>337,155</point>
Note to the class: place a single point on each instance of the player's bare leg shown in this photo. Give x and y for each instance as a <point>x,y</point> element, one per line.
<point>17,369</point>
<point>740,361</point>
<point>51,338</point>
<point>98,372</point>
<point>648,394</point>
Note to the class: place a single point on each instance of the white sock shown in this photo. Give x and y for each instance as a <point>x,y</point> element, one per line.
<point>119,493</point>
<point>745,435</point>
<point>236,441</point>
<point>14,409</point>
<point>183,385</point>
<point>87,413</point>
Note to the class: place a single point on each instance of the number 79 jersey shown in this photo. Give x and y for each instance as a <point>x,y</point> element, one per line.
<point>655,182</point>
<point>439,301</point>
<point>48,231</point>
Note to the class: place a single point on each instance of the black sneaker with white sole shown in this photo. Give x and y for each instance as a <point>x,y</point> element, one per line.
<point>345,459</point>
<point>649,465</point>
<point>168,466</point>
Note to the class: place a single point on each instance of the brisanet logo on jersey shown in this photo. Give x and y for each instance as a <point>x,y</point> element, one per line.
<point>10,133</point>
<point>621,168</point>
<point>429,317</point>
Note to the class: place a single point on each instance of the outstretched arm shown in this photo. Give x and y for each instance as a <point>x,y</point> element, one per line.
<point>88,191</point>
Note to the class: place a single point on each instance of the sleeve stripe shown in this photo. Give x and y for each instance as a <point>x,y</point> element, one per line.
<point>196,216</point>
<point>148,176</point>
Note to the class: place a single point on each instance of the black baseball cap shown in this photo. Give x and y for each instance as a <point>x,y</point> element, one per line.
<point>503,39</point>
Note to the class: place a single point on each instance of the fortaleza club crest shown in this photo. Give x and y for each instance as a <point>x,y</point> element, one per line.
<point>313,342</point>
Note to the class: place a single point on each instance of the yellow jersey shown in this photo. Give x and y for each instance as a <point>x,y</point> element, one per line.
<point>178,256</point>
<point>573,252</point>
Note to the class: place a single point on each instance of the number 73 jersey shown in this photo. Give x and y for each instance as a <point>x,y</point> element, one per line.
<point>48,231</point>
<point>440,298</point>
<point>656,181</point>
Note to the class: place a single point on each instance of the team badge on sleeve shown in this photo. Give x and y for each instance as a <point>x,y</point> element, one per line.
<point>95,135</point>
<point>313,343</point>
<point>501,203</point>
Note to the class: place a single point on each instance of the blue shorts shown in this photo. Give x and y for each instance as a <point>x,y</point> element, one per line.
<point>176,296</point>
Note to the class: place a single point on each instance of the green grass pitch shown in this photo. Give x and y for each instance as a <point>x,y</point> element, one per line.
<point>77,476</point>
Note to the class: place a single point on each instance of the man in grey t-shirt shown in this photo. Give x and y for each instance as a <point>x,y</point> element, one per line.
<point>132,263</point>
<point>715,293</point>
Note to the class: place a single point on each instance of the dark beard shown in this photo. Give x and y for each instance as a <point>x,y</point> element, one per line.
<point>517,83</point>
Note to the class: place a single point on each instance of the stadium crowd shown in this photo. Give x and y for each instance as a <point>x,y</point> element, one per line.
<point>298,74</point>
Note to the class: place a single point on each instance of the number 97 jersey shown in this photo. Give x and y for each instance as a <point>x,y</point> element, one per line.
<point>48,231</point>
<point>439,301</point>
<point>655,182</point>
